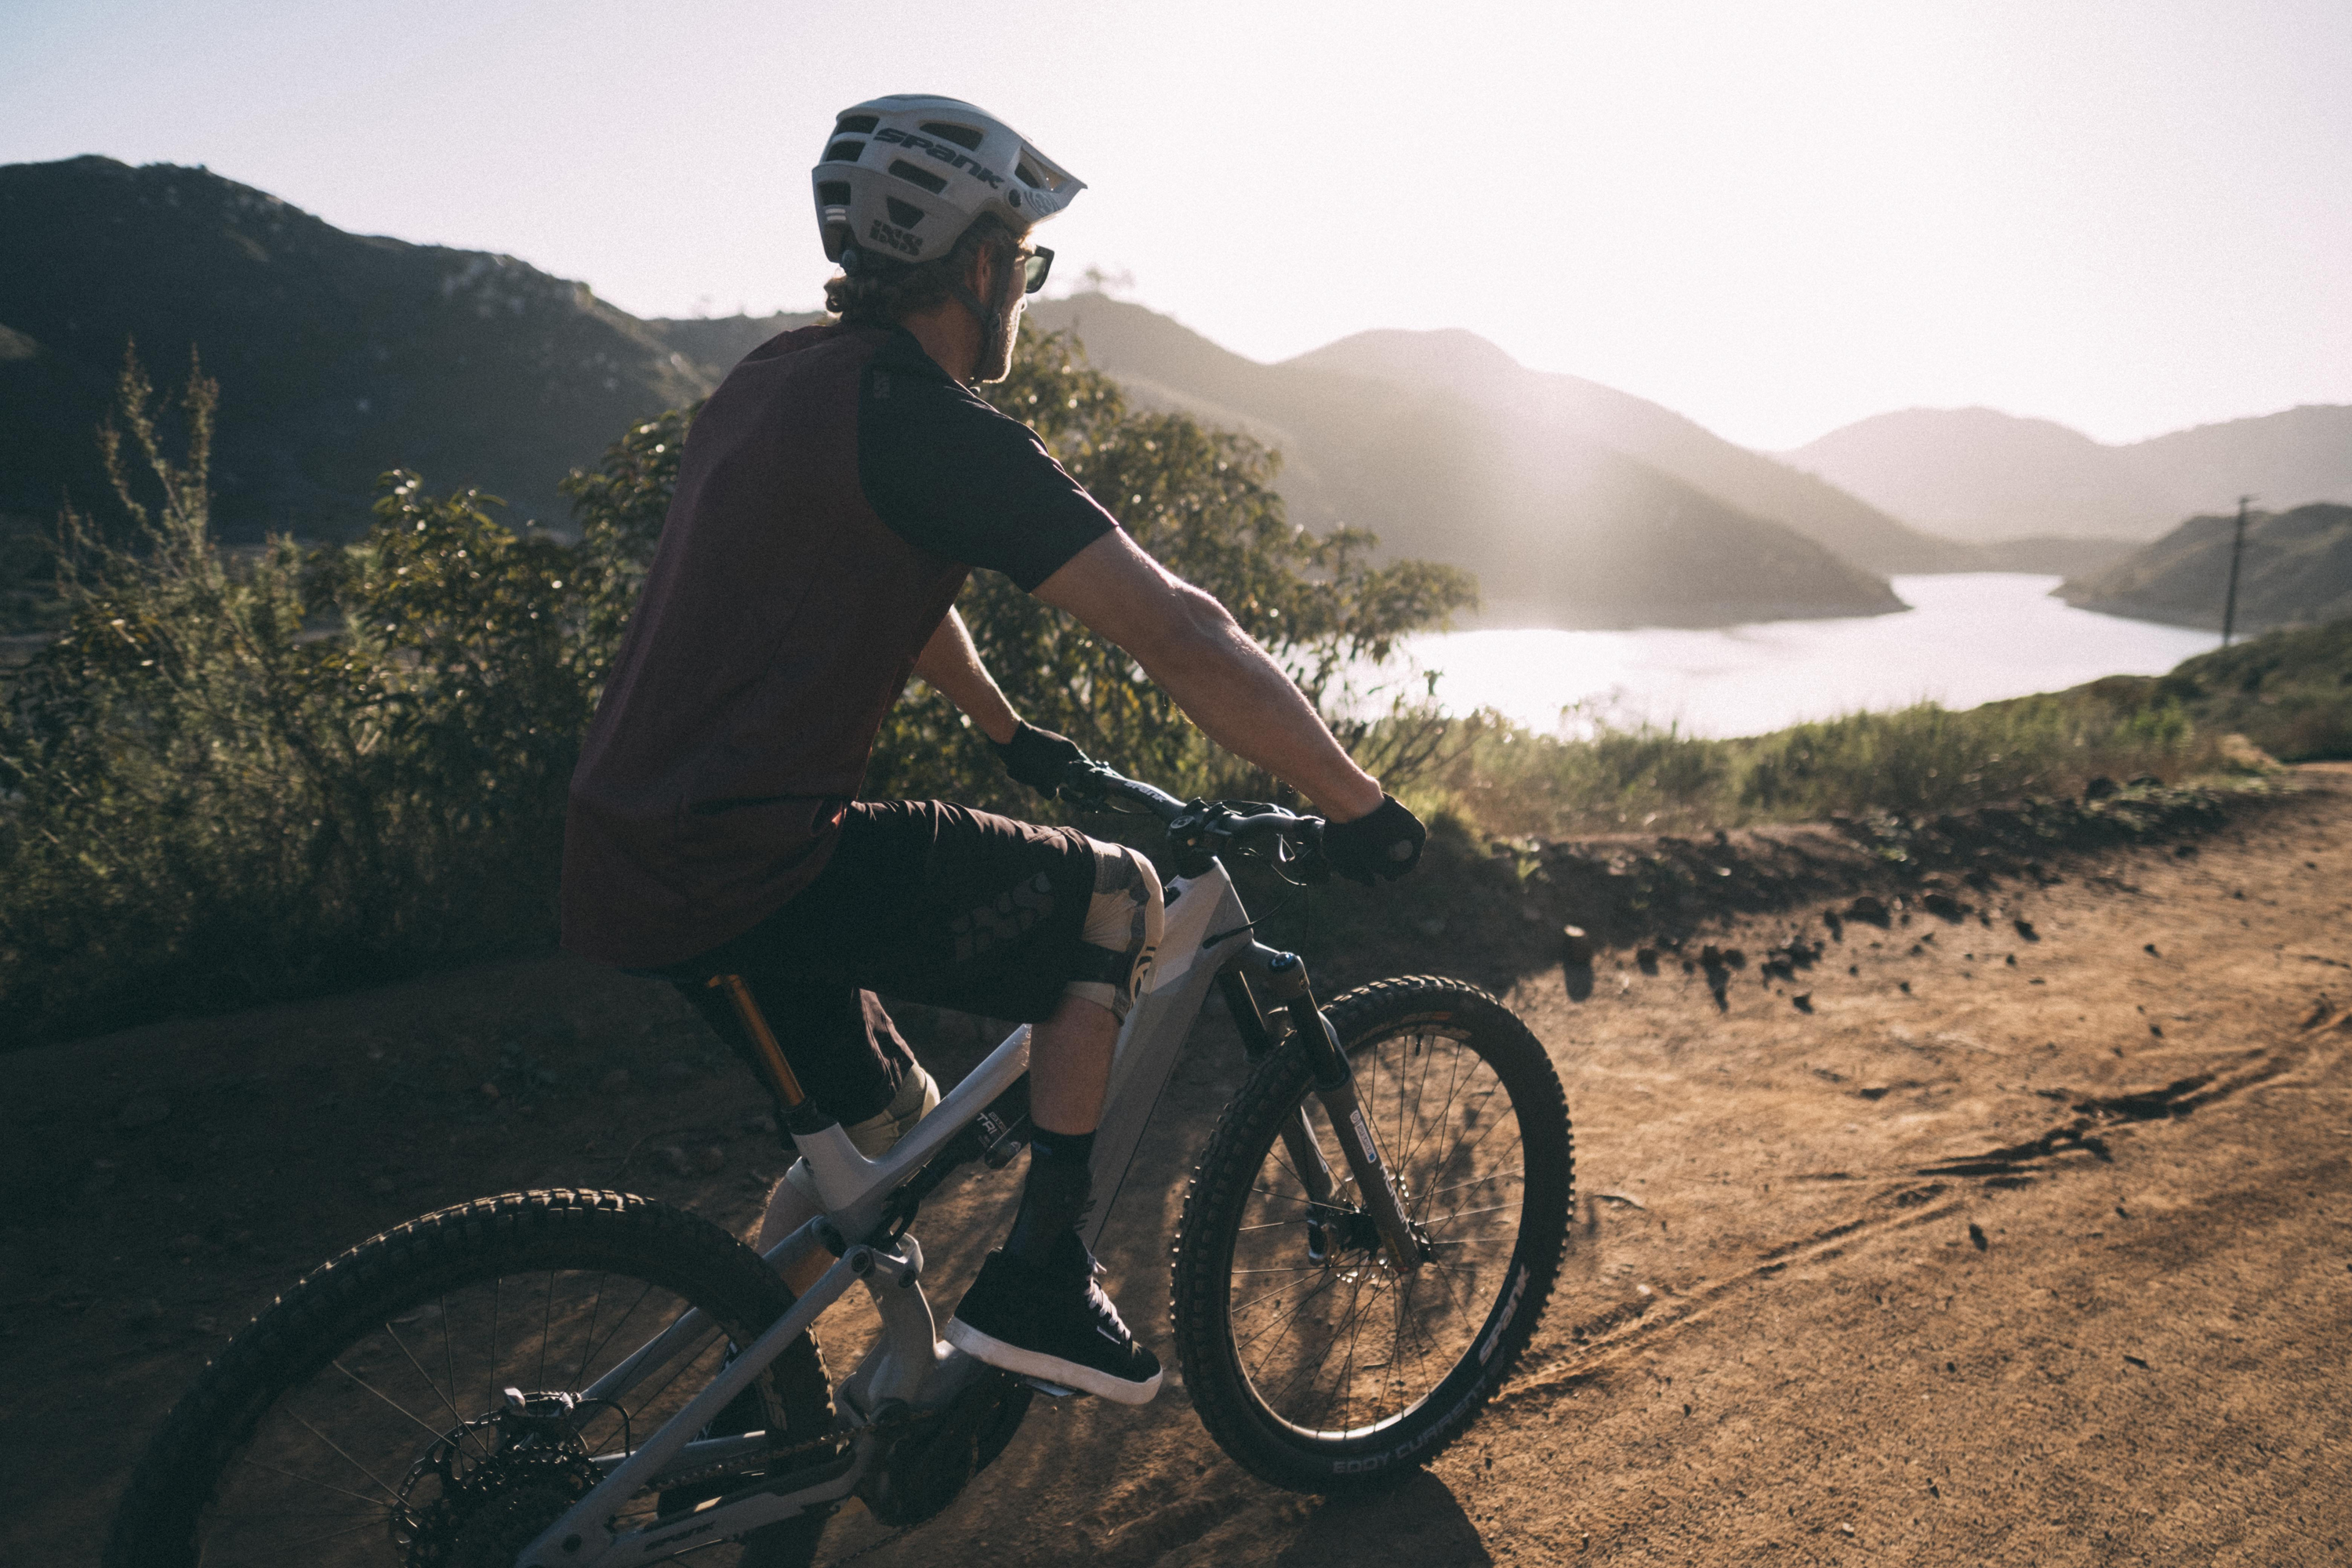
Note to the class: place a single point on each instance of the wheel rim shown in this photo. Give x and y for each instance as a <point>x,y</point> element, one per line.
<point>1345,1346</point>
<point>404,1448</point>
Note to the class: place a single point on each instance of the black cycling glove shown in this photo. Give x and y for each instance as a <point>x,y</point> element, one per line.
<point>1038,758</point>
<point>1386,844</point>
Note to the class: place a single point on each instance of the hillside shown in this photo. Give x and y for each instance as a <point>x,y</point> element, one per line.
<point>1553,405</point>
<point>2297,571</point>
<point>2289,692</point>
<point>1979,475</point>
<point>1562,527</point>
<point>339,355</point>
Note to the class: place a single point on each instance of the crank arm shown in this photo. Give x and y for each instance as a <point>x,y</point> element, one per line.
<point>582,1536</point>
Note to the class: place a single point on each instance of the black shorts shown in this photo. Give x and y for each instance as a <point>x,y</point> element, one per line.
<point>926,901</point>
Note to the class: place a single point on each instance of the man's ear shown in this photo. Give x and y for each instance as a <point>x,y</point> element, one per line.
<point>985,260</point>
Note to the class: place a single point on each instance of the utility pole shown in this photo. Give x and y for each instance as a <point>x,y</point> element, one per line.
<point>2237,550</point>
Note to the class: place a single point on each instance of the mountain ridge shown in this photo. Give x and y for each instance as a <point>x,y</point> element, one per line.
<point>1978,473</point>
<point>1475,368</point>
<point>341,356</point>
<point>1405,458</point>
<point>2297,571</point>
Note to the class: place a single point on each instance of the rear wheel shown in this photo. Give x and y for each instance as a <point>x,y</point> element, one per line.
<point>1314,1361</point>
<point>417,1401</point>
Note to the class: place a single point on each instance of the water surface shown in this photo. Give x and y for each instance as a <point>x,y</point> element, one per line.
<point>1968,638</point>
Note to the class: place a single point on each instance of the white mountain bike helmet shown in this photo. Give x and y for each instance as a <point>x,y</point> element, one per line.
<point>903,176</point>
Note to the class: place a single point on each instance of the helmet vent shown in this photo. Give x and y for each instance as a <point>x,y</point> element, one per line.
<point>906,214</point>
<point>833,193</point>
<point>915,176</point>
<point>844,152</point>
<point>964,136</point>
<point>855,124</point>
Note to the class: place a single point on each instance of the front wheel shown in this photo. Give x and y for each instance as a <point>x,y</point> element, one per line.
<point>1314,1360</point>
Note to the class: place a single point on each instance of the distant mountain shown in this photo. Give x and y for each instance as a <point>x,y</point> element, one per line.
<point>1549,407</point>
<point>1562,527</point>
<point>2047,555</point>
<point>1981,475</point>
<point>2297,571</point>
<point>712,345</point>
<point>339,355</point>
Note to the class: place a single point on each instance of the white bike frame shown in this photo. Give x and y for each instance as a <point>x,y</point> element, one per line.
<point>1206,932</point>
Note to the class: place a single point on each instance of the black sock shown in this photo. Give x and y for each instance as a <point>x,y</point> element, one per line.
<point>1059,1189</point>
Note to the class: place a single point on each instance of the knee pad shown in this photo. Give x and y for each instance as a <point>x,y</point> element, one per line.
<point>1122,930</point>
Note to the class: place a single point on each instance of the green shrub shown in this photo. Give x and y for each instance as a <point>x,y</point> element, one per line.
<point>239,777</point>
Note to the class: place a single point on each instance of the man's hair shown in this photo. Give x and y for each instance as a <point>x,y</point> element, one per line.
<point>881,290</point>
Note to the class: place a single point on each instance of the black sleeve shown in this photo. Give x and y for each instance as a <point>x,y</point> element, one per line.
<point>945,471</point>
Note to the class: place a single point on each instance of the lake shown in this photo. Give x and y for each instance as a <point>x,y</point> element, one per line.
<point>1968,638</point>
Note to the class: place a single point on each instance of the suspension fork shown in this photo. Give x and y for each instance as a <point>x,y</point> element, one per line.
<point>1283,977</point>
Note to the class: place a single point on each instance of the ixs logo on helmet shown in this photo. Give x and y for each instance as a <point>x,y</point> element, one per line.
<point>898,239</point>
<point>952,157</point>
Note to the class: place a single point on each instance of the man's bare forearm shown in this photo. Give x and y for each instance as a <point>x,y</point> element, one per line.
<point>952,664</point>
<point>1242,700</point>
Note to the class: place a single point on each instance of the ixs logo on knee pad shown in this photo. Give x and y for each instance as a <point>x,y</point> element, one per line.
<point>898,239</point>
<point>952,157</point>
<point>1004,921</point>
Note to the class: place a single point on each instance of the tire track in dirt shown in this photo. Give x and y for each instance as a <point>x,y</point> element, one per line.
<point>1649,1319</point>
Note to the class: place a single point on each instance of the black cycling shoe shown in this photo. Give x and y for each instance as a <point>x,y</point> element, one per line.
<point>1053,1322</point>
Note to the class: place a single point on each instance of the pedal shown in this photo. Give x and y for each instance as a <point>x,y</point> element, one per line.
<point>1050,1389</point>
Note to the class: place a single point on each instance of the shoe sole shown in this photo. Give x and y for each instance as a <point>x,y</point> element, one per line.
<point>1052,1369</point>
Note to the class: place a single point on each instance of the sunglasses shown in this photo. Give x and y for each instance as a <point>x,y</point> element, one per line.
<point>1035,266</point>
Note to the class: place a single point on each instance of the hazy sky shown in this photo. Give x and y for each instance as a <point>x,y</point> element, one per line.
<point>1774,217</point>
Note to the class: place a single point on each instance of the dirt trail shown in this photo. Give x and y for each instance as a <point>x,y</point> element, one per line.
<point>2012,1249</point>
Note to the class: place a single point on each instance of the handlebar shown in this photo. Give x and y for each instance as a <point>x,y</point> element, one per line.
<point>1201,830</point>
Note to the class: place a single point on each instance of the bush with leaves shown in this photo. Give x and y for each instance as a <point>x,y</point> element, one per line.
<point>234,777</point>
<point>1201,502</point>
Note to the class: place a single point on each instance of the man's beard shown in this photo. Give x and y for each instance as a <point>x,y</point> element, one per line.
<point>994,361</point>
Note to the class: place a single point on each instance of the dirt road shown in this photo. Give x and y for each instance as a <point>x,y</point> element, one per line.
<point>2013,1243</point>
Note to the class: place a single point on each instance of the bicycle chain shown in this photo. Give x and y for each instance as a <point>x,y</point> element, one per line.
<point>771,1460</point>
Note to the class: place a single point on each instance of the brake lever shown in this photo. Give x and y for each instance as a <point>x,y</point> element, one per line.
<point>1313,869</point>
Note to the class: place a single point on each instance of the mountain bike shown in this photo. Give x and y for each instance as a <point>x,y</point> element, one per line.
<point>558,1378</point>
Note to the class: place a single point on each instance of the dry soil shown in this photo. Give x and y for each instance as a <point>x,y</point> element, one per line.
<point>1972,1243</point>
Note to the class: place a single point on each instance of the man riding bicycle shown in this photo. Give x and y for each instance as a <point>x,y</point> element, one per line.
<point>833,496</point>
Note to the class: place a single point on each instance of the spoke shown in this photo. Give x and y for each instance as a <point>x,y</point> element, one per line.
<point>304,1546</point>
<point>354,1464</point>
<point>701,1348</point>
<point>1296,1308</point>
<point>448,1356</point>
<point>546,1332</point>
<point>1285,1197</point>
<point>435,1388</point>
<point>1465,1213</point>
<point>618,1324</point>
<point>1273,1295</point>
<point>1474,1182</point>
<point>1302,1268</point>
<point>588,1339</point>
<point>311,1481</point>
<point>1453,1083</point>
<point>421,1425</point>
<point>1311,1372</point>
